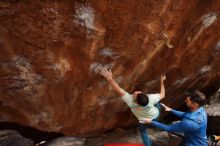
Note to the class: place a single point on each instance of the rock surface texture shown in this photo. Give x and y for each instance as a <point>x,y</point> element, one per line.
<point>13,138</point>
<point>51,52</point>
<point>213,111</point>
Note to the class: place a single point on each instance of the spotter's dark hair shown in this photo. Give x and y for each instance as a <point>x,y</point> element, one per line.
<point>197,97</point>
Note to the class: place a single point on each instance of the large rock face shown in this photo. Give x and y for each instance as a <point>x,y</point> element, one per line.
<point>51,52</point>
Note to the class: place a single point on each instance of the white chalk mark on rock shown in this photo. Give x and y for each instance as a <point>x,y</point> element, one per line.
<point>119,79</point>
<point>217,46</point>
<point>62,66</point>
<point>181,81</point>
<point>84,16</point>
<point>106,52</point>
<point>205,69</point>
<point>97,66</point>
<point>209,19</point>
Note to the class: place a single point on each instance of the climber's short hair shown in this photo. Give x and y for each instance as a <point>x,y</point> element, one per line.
<point>142,99</point>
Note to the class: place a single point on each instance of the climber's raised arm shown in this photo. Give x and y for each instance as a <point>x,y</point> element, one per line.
<point>162,88</point>
<point>108,75</point>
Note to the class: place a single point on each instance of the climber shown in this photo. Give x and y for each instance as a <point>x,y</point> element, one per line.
<point>142,105</point>
<point>193,123</point>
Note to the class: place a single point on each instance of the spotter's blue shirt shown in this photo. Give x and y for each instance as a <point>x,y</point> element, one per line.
<point>193,125</point>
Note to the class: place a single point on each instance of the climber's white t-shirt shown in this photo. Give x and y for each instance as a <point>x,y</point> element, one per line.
<point>148,111</point>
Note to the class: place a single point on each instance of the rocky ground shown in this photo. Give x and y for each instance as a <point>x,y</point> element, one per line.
<point>159,138</point>
<point>131,135</point>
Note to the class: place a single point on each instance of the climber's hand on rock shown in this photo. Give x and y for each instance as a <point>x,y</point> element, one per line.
<point>163,78</point>
<point>106,73</point>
